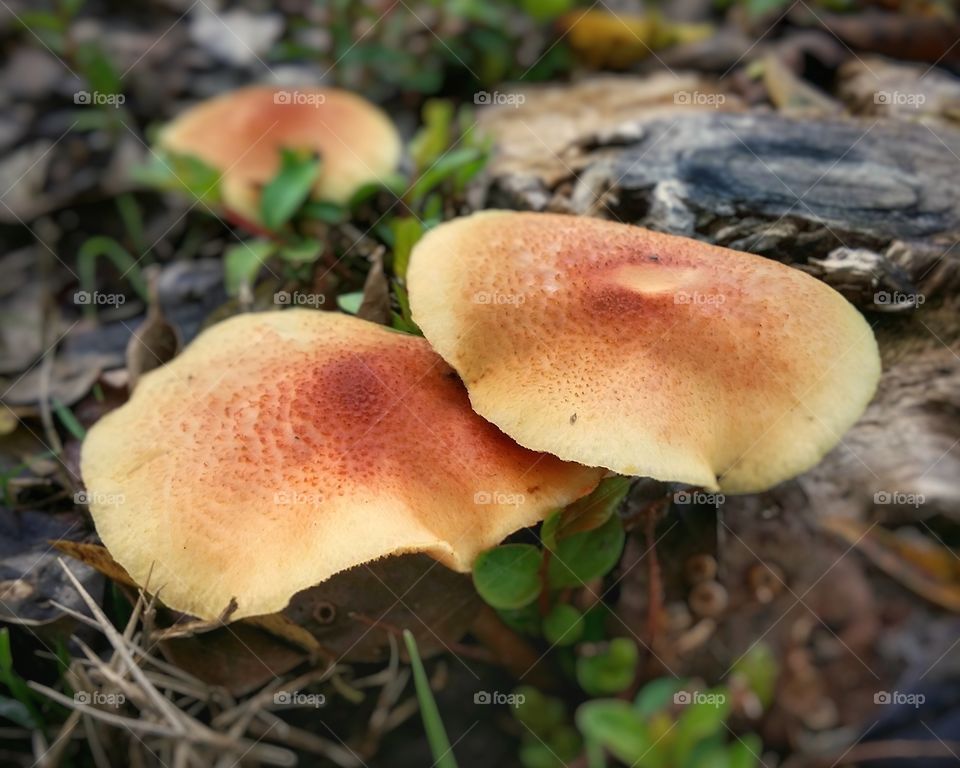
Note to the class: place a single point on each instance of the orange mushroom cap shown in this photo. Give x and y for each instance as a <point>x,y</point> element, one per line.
<point>242,132</point>
<point>281,448</point>
<point>645,353</point>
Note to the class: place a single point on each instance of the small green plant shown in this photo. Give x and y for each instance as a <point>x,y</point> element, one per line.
<point>21,706</point>
<point>575,552</point>
<point>427,47</point>
<point>90,252</point>
<point>432,722</point>
<point>670,723</point>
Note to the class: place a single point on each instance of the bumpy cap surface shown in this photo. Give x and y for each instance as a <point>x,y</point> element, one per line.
<point>644,353</point>
<point>281,448</point>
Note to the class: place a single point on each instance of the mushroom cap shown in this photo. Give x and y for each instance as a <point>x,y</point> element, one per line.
<point>281,448</point>
<point>241,133</point>
<point>645,353</point>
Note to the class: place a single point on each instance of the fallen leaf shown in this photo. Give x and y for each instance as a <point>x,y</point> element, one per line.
<point>29,575</point>
<point>239,657</point>
<point>376,292</point>
<point>153,343</point>
<point>913,560</point>
<point>353,613</point>
<point>97,557</point>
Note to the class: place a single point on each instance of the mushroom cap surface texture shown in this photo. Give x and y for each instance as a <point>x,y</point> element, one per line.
<point>242,132</point>
<point>283,447</point>
<point>645,353</point>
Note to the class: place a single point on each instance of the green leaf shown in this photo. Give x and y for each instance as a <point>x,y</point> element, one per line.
<point>524,620</point>
<point>549,528</point>
<point>536,754</point>
<point>591,511</point>
<point>508,576</point>
<point>290,188</point>
<point>304,251</point>
<point>760,669</point>
<point>545,10</point>
<point>401,324</point>
<point>48,27</point>
<point>657,695</point>
<point>595,623</point>
<point>394,183</point>
<point>745,752</point>
<point>13,681</point>
<point>242,262</point>
<point>101,246</point>
<point>180,173</point>
<point>350,302</point>
<point>434,137</point>
<point>71,7</point>
<point>406,232</point>
<point>610,671</point>
<point>17,712</point>
<point>586,556</point>
<point>762,7</point>
<point>708,754</point>
<point>403,300</point>
<point>701,720</point>
<point>616,726</point>
<point>596,757</point>
<point>445,167</point>
<point>132,217</point>
<point>566,743</point>
<point>540,713</point>
<point>97,69</point>
<point>325,211</point>
<point>432,723</point>
<point>69,421</point>
<point>563,625</point>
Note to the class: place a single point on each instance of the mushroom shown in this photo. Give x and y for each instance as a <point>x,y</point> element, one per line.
<point>281,448</point>
<point>645,353</point>
<point>242,132</point>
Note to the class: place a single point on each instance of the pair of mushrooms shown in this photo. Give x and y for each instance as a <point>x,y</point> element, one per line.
<point>283,447</point>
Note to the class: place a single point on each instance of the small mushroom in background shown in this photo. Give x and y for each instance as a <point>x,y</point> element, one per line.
<point>682,361</point>
<point>242,132</point>
<point>282,448</point>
